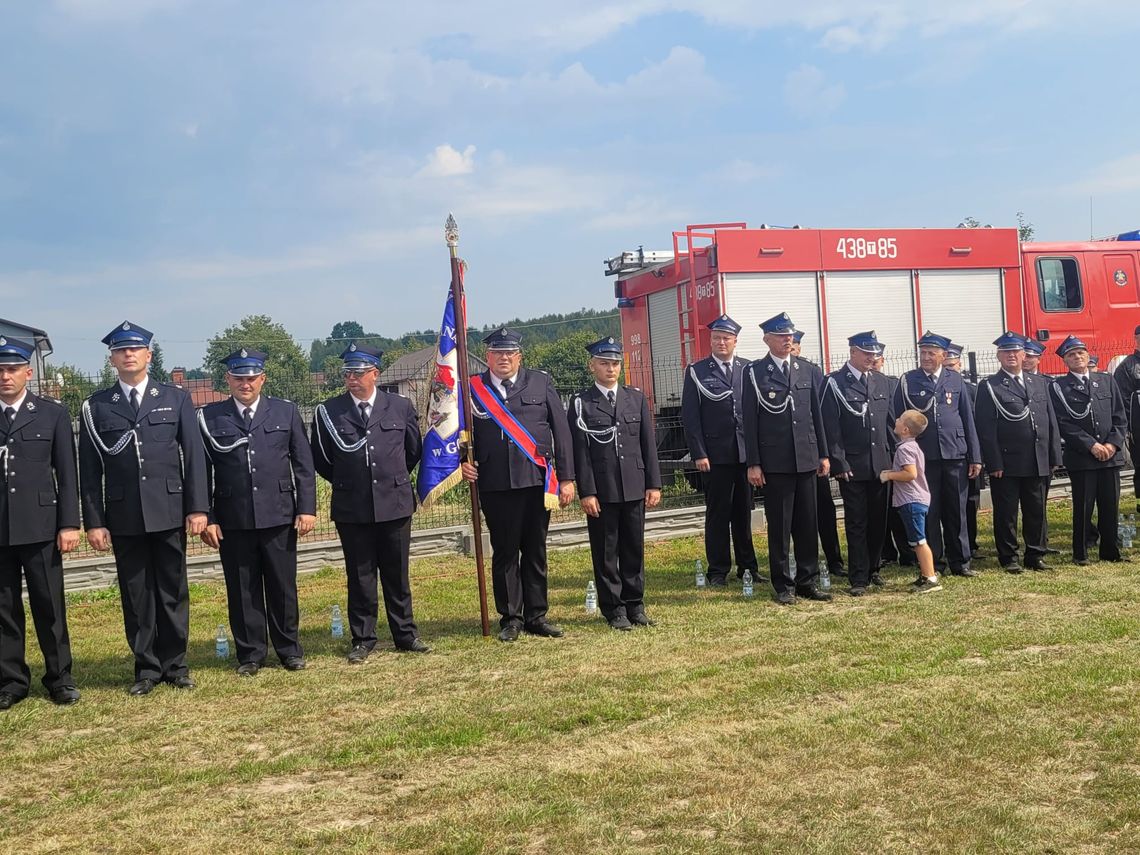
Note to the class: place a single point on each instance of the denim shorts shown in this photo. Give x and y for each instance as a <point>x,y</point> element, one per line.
<point>913,515</point>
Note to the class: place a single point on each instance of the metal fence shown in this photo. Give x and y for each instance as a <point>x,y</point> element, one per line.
<point>682,484</point>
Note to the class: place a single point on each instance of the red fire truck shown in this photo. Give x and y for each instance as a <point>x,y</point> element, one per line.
<point>968,284</point>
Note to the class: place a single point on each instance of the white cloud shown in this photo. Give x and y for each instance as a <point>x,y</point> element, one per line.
<point>446,162</point>
<point>809,94</point>
<point>741,171</point>
<point>1120,175</point>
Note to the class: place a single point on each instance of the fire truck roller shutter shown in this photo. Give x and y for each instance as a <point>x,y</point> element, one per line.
<point>665,347</point>
<point>967,306</point>
<point>750,298</point>
<point>879,300</point>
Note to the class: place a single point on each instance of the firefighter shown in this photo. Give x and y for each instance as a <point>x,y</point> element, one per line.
<point>1092,419</point>
<point>787,452</point>
<point>1127,377</point>
<point>714,432</point>
<point>825,502</point>
<point>615,459</point>
<point>39,520</point>
<point>524,463</point>
<point>1021,444</point>
<point>1034,350</point>
<point>953,362</point>
<point>366,443</point>
<point>951,448</point>
<point>856,415</point>
<point>142,477</point>
<point>263,497</point>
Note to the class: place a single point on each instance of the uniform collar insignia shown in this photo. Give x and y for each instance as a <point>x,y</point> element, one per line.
<point>31,408</point>
<point>115,398</point>
<point>153,392</point>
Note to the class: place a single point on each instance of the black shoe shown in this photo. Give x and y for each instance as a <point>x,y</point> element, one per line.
<point>142,687</point>
<point>1116,560</point>
<point>293,663</point>
<point>510,632</point>
<point>1081,562</point>
<point>620,622</point>
<point>416,645</point>
<point>544,628</point>
<point>359,653</point>
<point>248,669</point>
<point>1037,565</point>
<point>977,553</point>
<point>182,681</point>
<point>786,598</point>
<point>64,696</point>
<point>718,582</point>
<point>877,580</point>
<point>1012,567</point>
<point>641,619</point>
<point>857,591</point>
<point>838,570</point>
<point>964,571</point>
<point>813,593</point>
<point>8,700</point>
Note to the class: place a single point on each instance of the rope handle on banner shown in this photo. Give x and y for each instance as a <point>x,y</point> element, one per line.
<point>1002,411</point>
<point>592,433</point>
<point>774,410</point>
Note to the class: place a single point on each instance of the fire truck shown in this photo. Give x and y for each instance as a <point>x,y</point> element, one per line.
<point>967,284</point>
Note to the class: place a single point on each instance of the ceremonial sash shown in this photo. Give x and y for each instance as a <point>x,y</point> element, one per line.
<point>490,403</point>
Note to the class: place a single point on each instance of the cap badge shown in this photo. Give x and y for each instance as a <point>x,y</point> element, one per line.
<point>126,326</point>
<point>352,347</point>
<point>244,353</point>
<point>609,341</point>
<point>3,341</point>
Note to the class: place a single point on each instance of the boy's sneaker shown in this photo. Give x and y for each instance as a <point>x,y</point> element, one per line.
<point>924,585</point>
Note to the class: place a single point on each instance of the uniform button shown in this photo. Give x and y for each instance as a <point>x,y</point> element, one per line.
<point>373,481</point>
<point>251,451</point>
<point>255,489</point>
<point>254,469</point>
<point>372,448</point>
<point>368,433</point>
<point>13,490</point>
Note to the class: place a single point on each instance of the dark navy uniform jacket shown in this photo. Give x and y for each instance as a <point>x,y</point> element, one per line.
<point>615,453</point>
<point>950,433</point>
<point>373,483</point>
<point>1088,416</point>
<point>154,486</point>
<point>1127,377</point>
<point>713,419</point>
<point>533,401</point>
<point>267,480</point>
<point>1029,446</point>
<point>859,442</point>
<point>791,440</point>
<point>40,495</point>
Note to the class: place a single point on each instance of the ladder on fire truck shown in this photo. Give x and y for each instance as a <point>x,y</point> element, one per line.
<point>684,247</point>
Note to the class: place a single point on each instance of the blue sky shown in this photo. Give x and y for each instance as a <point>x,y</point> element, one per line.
<point>184,164</point>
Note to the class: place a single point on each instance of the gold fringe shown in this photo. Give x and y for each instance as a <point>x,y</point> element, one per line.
<point>442,487</point>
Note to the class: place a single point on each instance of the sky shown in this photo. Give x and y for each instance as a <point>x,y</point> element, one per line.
<point>184,163</point>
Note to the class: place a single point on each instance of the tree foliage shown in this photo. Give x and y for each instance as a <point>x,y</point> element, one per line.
<point>67,383</point>
<point>157,369</point>
<point>286,369</point>
<point>564,359</point>
<point>1025,229</point>
<point>342,333</point>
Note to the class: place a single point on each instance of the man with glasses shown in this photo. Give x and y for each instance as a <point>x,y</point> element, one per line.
<point>39,520</point>
<point>143,489</point>
<point>366,443</point>
<point>524,463</point>
<point>263,497</point>
<point>714,431</point>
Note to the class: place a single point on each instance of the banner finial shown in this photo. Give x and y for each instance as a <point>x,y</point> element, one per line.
<point>451,231</point>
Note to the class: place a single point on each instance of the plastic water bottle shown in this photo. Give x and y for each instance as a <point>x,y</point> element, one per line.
<point>221,643</point>
<point>1131,530</point>
<point>591,598</point>
<point>824,578</point>
<point>700,573</point>
<point>792,563</point>
<point>337,623</point>
<point>747,590</point>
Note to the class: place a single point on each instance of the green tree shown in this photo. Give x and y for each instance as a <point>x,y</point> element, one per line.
<point>286,369</point>
<point>157,369</point>
<point>108,376</point>
<point>564,360</point>
<point>68,384</point>
<point>342,333</point>
<point>1025,229</point>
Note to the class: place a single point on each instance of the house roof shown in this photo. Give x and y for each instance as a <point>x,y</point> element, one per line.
<point>40,337</point>
<point>415,364</point>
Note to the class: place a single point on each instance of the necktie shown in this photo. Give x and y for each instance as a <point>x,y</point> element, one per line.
<point>727,370</point>
<point>363,407</point>
<point>863,380</point>
<point>10,412</point>
<point>611,397</point>
<point>784,368</point>
<point>247,414</point>
<point>135,400</point>
<point>507,384</point>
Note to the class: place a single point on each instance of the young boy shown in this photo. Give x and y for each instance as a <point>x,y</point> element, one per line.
<point>911,495</point>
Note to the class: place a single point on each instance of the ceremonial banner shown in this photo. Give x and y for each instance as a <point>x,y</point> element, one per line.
<point>439,467</point>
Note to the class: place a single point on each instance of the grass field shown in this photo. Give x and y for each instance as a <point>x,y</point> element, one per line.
<point>998,715</point>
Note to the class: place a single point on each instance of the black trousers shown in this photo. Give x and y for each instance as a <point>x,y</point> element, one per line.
<point>517,521</point>
<point>1099,488</point>
<point>790,502</point>
<point>42,565</point>
<point>728,511</point>
<point>1133,450</point>
<point>865,518</point>
<point>1008,492</point>
<point>156,602</point>
<point>973,502</point>
<point>826,520</point>
<point>946,521</point>
<point>372,549</point>
<point>261,590</point>
<point>617,547</point>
